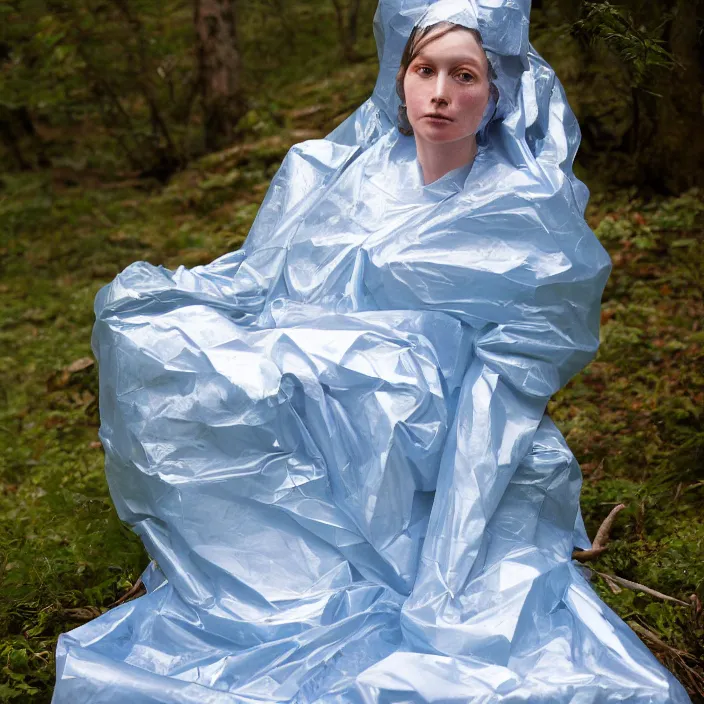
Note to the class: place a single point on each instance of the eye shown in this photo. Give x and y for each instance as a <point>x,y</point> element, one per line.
<point>421,68</point>
<point>466,73</point>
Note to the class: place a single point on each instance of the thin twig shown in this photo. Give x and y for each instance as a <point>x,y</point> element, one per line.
<point>103,218</point>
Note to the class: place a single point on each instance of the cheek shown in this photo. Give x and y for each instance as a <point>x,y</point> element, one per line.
<point>413,92</point>
<point>473,102</point>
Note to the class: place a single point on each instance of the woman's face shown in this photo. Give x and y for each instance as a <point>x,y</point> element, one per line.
<point>450,77</point>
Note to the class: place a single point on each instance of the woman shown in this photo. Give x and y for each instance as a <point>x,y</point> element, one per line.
<point>448,79</point>
<point>334,442</point>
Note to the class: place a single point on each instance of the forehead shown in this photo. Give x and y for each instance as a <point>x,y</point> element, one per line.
<point>453,47</point>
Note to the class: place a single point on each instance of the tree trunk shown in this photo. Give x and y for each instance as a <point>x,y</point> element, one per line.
<point>352,22</point>
<point>347,20</point>
<point>643,132</point>
<point>673,144</point>
<point>165,153</point>
<point>219,70</point>
<point>16,129</point>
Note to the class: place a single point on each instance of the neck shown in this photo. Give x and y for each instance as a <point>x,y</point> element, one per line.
<point>437,159</point>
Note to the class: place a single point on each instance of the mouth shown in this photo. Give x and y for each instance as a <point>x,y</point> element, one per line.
<point>437,117</point>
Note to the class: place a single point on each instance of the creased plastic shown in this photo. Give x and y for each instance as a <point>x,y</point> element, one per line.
<point>333,441</point>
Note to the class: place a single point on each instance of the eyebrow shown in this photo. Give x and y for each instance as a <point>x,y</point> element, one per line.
<point>453,59</point>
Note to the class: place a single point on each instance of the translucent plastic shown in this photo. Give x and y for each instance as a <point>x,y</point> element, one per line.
<point>333,441</point>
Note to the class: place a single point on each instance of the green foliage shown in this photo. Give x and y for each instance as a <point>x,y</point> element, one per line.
<point>113,84</point>
<point>637,48</point>
<point>632,75</point>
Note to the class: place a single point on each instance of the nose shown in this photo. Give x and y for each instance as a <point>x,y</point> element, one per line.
<point>440,93</point>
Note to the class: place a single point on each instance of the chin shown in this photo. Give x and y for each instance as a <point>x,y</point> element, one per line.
<point>435,137</point>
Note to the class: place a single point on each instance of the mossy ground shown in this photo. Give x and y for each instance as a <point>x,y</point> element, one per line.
<point>633,417</point>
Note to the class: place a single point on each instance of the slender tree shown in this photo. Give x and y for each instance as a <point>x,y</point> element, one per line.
<point>347,14</point>
<point>219,70</point>
<point>658,50</point>
<point>671,136</point>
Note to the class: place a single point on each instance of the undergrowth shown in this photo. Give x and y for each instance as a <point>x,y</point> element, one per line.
<point>634,417</point>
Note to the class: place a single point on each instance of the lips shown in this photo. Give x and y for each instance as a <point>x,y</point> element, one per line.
<point>439,117</point>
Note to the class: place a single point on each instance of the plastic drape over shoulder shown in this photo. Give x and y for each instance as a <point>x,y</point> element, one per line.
<point>333,441</point>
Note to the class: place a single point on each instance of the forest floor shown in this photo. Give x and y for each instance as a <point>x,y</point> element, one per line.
<point>633,418</point>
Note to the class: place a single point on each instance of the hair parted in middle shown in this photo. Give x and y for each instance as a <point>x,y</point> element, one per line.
<point>413,47</point>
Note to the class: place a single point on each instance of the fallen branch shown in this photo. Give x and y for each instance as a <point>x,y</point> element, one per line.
<point>82,613</point>
<point>140,183</point>
<point>639,587</point>
<point>602,537</point>
<point>695,678</point>
<point>647,633</point>
<point>132,593</point>
<point>612,585</point>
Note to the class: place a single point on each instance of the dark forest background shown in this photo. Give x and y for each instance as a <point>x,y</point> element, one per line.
<point>149,85</point>
<point>149,129</point>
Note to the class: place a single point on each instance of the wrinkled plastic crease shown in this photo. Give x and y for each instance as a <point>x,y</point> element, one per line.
<point>333,441</point>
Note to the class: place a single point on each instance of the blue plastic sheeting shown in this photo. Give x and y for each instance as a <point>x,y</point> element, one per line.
<point>333,441</point>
